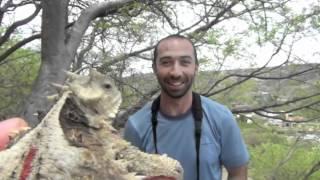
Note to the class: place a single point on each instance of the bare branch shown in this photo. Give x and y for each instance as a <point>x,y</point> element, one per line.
<point>4,8</point>
<point>18,45</point>
<point>81,54</point>
<point>81,25</point>
<point>123,116</point>
<point>264,108</point>
<point>251,75</point>
<point>217,18</point>
<point>168,19</point>
<point>122,57</point>
<point>281,163</point>
<point>15,25</point>
<point>315,168</point>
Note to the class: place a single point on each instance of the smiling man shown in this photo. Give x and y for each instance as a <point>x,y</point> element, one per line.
<point>198,132</point>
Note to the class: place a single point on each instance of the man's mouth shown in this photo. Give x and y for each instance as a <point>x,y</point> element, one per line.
<point>175,84</point>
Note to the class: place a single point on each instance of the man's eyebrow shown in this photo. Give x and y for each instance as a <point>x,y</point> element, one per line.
<point>165,57</point>
<point>186,57</point>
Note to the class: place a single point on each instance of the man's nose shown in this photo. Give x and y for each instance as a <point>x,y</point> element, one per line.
<point>176,70</point>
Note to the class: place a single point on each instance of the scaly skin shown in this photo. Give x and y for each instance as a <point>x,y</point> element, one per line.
<point>75,140</point>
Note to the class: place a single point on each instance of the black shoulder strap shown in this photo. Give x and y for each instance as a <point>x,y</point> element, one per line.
<point>154,110</point>
<point>197,115</point>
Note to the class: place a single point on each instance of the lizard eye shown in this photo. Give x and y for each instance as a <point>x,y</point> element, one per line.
<point>107,86</point>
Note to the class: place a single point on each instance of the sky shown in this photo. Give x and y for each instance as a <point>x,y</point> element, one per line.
<point>306,48</point>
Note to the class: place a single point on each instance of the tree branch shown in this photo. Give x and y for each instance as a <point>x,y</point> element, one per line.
<point>81,25</point>
<point>15,25</point>
<point>217,18</point>
<point>313,169</point>
<point>18,45</point>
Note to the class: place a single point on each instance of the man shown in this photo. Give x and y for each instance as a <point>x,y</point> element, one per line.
<point>175,64</point>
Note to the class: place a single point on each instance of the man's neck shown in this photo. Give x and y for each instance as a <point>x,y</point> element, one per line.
<point>175,106</point>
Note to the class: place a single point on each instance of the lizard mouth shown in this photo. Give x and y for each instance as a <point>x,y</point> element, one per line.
<point>76,126</point>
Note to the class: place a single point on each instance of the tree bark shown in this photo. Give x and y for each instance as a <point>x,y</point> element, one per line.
<point>55,59</point>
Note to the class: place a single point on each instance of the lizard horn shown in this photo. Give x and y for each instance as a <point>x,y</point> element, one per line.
<point>72,75</point>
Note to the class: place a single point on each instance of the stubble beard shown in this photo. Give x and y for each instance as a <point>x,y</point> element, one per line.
<point>176,94</point>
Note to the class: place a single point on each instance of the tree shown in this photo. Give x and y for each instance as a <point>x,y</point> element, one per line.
<point>120,23</point>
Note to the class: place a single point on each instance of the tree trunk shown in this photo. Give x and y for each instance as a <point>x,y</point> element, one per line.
<point>55,58</point>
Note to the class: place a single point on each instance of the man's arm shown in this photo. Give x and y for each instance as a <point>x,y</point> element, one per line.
<point>237,173</point>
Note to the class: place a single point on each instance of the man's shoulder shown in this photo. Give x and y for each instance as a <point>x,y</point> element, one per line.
<point>144,110</point>
<point>142,114</point>
<point>216,112</point>
<point>212,104</point>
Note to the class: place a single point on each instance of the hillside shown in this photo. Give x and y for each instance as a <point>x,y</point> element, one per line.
<point>267,87</point>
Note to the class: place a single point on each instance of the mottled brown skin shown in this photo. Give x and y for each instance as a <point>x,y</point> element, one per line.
<point>75,140</point>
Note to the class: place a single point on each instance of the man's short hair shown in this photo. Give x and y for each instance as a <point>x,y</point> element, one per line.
<point>173,36</point>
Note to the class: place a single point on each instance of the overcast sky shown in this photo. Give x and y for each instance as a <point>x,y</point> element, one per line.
<point>307,48</point>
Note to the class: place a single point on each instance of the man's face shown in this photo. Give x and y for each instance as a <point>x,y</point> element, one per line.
<point>175,67</point>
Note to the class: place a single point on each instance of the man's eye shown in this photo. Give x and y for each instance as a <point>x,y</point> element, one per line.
<point>164,62</point>
<point>185,62</point>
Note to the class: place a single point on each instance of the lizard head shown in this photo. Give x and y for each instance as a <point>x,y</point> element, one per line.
<point>96,92</point>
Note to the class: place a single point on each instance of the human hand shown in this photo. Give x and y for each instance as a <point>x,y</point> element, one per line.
<point>10,128</point>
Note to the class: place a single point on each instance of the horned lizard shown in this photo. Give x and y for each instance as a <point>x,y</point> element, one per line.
<point>76,140</point>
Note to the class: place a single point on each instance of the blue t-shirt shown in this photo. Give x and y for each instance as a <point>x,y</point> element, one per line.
<point>221,140</point>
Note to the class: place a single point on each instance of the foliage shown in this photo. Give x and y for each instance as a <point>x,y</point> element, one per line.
<point>278,157</point>
<point>132,92</point>
<point>240,95</point>
<point>16,77</point>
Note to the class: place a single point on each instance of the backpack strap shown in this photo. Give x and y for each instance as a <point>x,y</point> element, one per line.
<point>197,115</point>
